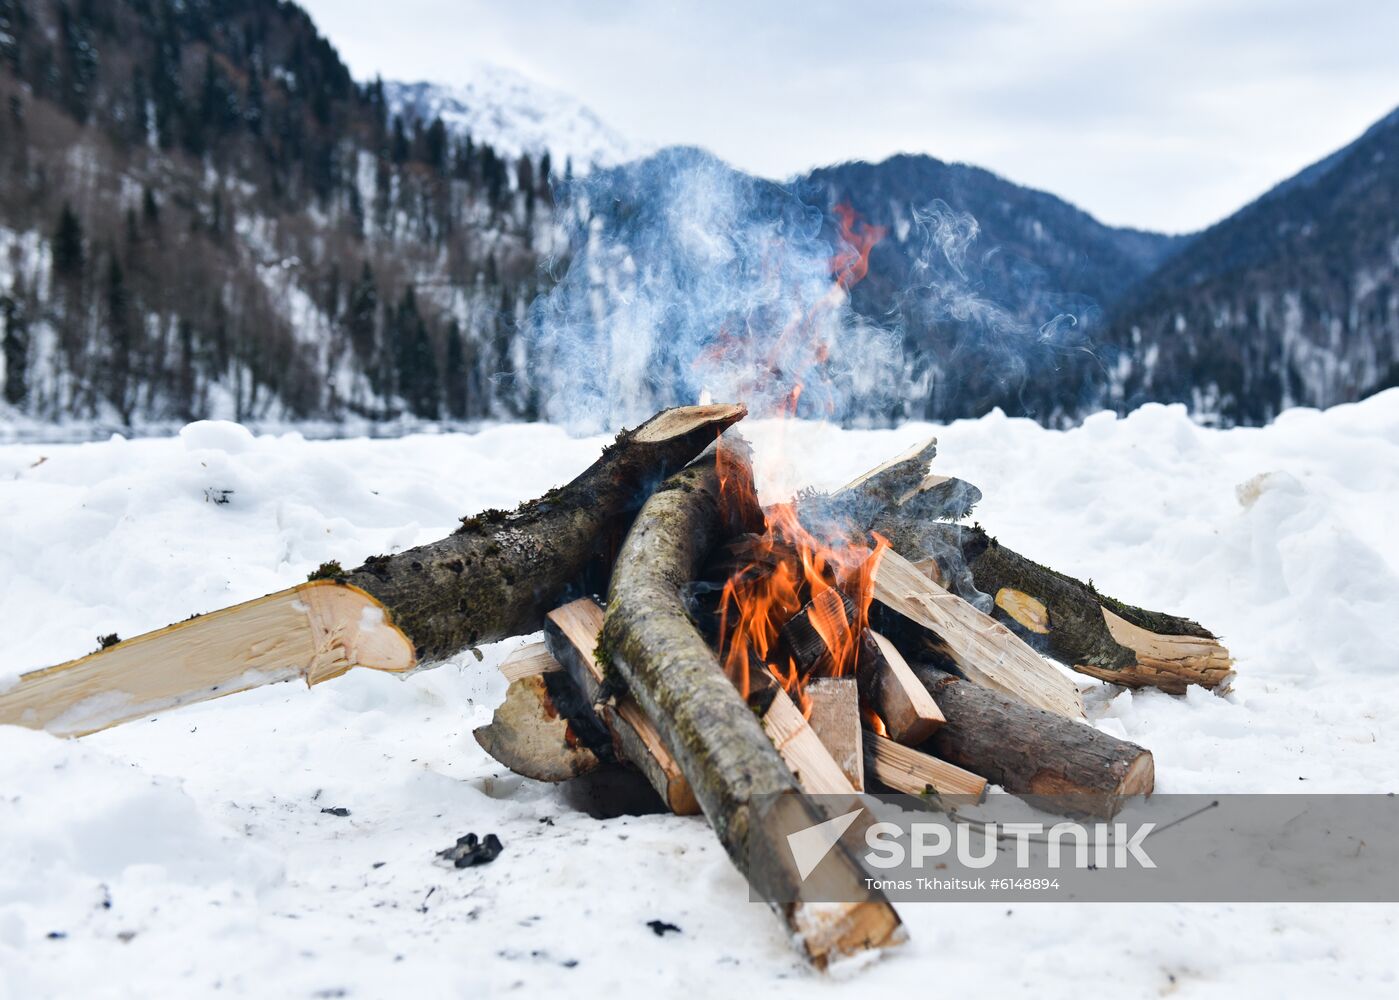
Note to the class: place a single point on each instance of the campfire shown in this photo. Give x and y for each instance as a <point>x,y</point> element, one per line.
<point>831,643</point>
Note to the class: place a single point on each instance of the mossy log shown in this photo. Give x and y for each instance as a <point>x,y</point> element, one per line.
<point>1061,765</point>
<point>501,572</point>
<point>737,776</point>
<point>494,578</point>
<point>1069,620</point>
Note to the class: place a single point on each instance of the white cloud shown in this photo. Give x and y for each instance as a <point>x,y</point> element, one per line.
<point>1166,114</point>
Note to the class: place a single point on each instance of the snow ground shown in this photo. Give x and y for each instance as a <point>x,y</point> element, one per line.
<point>189,855</point>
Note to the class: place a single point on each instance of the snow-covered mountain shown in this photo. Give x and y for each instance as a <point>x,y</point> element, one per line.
<point>515,115</point>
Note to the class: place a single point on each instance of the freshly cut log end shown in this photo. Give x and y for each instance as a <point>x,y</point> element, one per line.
<point>1169,662</point>
<point>1067,767</point>
<point>889,688</point>
<point>915,773</point>
<point>983,649</point>
<point>1070,621</point>
<point>830,932</point>
<point>571,634</point>
<point>314,631</point>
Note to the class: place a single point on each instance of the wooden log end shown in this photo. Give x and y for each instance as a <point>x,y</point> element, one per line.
<point>530,736</point>
<point>833,932</point>
<point>1169,662</point>
<point>915,773</point>
<point>682,420</point>
<point>894,693</point>
<point>314,631</point>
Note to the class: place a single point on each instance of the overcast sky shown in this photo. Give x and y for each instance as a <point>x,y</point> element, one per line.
<point>1166,114</point>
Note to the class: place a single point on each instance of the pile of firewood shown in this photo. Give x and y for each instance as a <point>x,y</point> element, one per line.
<point>902,653</point>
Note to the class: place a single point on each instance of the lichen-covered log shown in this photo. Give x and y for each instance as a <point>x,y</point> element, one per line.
<point>1069,620</point>
<point>733,769</point>
<point>501,571</point>
<point>1065,766</point>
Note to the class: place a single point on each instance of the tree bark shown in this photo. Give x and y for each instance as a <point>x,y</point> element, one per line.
<point>1063,766</point>
<point>500,572</point>
<point>735,772</point>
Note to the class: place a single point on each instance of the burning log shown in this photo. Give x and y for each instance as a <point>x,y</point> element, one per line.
<point>1070,621</point>
<point>531,733</point>
<point>889,688</point>
<point>495,577</point>
<point>983,649</point>
<point>810,634</point>
<point>571,633</point>
<point>915,773</point>
<point>649,639</point>
<point>835,719</point>
<point>1070,766</point>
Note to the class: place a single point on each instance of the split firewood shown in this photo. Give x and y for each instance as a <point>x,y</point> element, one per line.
<point>902,486</point>
<point>835,719</point>
<point>1068,766</point>
<point>1070,621</point>
<point>801,748</point>
<point>983,650</point>
<point>915,773</point>
<point>571,634</point>
<point>494,578</point>
<point>537,730</point>
<point>889,688</point>
<point>730,763</point>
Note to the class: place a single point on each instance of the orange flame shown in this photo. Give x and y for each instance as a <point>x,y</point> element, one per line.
<point>852,263</point>
<point>788,567</point>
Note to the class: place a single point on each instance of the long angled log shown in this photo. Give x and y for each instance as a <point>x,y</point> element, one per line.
<point>495,577</point>
<point>1069,620</point>
<point>650,641</point>
<point>1063,617</point>
<point>1065,766</point>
